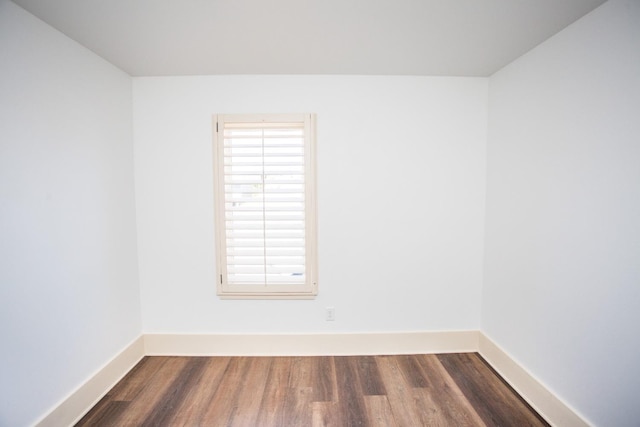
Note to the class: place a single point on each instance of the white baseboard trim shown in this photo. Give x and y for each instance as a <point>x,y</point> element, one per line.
<point>311,344</point>
<point>76,405</point>
<point>79,402</point>
<point>547,404</point>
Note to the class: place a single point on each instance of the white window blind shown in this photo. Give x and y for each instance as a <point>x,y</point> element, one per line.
<point>265,205</point>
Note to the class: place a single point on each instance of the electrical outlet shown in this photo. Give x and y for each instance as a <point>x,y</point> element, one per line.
<point>330,314</point>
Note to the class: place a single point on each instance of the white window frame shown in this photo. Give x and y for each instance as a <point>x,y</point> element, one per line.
<point>225,287</point>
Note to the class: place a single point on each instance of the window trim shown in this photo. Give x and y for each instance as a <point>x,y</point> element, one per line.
<point>309,289</point>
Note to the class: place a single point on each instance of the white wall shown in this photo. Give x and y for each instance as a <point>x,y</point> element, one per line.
<point>562,274</point>
<point>401,166</point>
<point>69,297</point>
<point>401,209</point>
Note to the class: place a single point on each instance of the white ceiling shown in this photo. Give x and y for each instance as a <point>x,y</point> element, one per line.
<point>383,37</point>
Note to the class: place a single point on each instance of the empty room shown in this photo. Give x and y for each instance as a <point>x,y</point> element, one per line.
<point>305,212</point>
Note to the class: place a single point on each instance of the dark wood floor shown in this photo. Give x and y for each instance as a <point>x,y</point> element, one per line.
<point>415,390</point>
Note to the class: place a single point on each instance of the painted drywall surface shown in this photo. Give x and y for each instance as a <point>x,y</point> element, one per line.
<point>401,172</point>
<point>69,297</point>
<point>562,275</point>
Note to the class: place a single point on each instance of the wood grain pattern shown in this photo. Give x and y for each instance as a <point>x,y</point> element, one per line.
<point>193,408</point>
<point>408,390</point>
<point>379,411</point>
<point>223,404</point>
<point>351,403</point>
<point>494,401</point>
<point>272,407</point>
<point>449,403</point>
<point>322,378</point>
<point>369,376</point>
<point>176,393</point>
<point>399,392</point>
<point>325,414</point>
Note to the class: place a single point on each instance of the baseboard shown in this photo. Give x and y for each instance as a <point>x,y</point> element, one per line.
<point>547,404</point>
<point>73,407</point>
<point>312,344</point>
<point>553,409</point>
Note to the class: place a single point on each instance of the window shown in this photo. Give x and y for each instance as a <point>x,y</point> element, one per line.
<point>264,168</point>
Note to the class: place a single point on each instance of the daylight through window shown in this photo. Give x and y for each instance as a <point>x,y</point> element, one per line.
<point>265,205</point>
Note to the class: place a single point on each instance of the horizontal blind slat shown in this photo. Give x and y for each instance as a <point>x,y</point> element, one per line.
<point>270,251</point>
<point>264,209</point>
<point>258,209</point>
<point>251,225</point>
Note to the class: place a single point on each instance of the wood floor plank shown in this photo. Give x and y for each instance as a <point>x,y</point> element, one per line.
<point>379,411</point>
<point>221,408</point>
<point>351,403</point>
<point>410,380</point>
<point>191,411</point>
<point>251,392</point>
<point>123,392</point>
<point>301,372</point>
<point>176,393</point>
<point>297,408</point>
<point>494,401</point>
<point>107,413</point>
<point>399,392</point>
<point>138,378</point>
<point>323,379</point>
<point>369,376</point>
<point>413,390</point>
<point>448,403</point>
<point>412,371</point>
<point>272,404</point>
<point>299,395</point>
<point>433,413</point>
<point>325,414</point>
<point>95,413</point>
<point>146,400</point>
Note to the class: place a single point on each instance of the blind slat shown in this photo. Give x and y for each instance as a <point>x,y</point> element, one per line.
<point>264,203</point>
<point>270,252</point>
